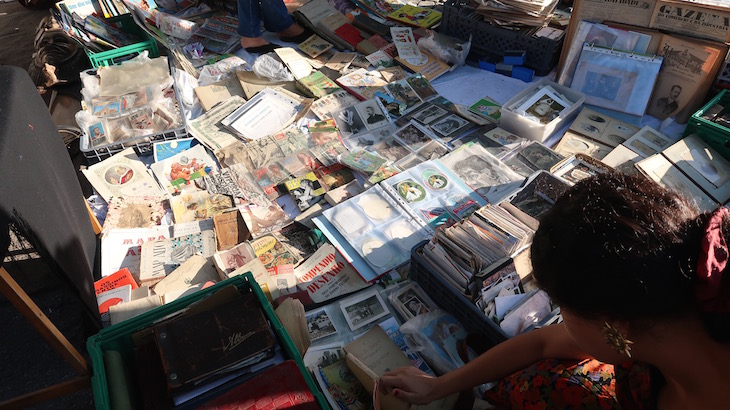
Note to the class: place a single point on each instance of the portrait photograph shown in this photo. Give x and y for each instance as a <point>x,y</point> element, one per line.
<point>371,114</point>
<point>349,122</point>
<point>450,126</point>
<point>429,114</point>
<point>413,136</point>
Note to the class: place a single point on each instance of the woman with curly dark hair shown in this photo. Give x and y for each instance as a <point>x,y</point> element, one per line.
<point>642,282</point>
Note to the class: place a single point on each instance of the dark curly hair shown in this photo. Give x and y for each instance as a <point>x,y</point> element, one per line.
<point>622,247</point>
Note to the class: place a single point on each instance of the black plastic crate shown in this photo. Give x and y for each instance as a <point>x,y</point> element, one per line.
<point>451,300</point>
<point>460,20</point>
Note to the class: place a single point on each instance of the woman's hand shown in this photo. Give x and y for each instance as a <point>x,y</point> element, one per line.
<point>409,384</point>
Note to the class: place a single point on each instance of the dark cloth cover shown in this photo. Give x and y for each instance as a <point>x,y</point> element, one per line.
<point>39,190</point>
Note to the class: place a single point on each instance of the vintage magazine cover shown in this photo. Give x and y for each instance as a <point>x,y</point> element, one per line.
<point>415,16</point>
<point>135,212</point>
<point>314,46</point>
<point>327,275</point>
<point>306,190</point>
<point>272,252</point>
<point>122,248</point>
<point>192,206</point>
<point>696,20</point>
<point>430,67</point>
<point>179,170</point>
<point>122,175</point>
<point>262,220</point>
<point>689,68</point>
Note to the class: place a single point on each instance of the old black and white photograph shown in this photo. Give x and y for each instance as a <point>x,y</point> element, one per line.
<point>363,309</point>
<point>319,325</point>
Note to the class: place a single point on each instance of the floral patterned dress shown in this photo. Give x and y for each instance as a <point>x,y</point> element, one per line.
<point>589,384</point>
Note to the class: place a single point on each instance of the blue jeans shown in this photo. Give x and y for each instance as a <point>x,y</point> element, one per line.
<point>273,12</point>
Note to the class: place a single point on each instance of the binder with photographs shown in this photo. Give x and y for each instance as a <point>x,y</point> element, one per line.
<point>614,79</point>
<point>376,230</point>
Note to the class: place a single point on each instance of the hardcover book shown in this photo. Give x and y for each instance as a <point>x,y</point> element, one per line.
<point>229,337</point>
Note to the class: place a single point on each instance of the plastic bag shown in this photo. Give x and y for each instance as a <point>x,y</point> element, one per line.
<point>437,336</point>
<point>446,48</point>
<point>221,70</point>
<point>270,67</point>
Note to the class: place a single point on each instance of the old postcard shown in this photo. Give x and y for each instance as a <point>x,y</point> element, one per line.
<point>122,175</point>
<point>364,308</point>
<point>178,171</point>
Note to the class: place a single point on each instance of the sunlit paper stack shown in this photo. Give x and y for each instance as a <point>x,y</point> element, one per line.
<point>517,12</point>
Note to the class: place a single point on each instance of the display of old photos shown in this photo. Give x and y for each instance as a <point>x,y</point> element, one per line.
<point>433,194</point>
<point>364,116</point>
<point>578,167</point>
<point>660,170</point>
<point>320,325</point>
<point>413,136</point>
<point>647,142</point>
<point>602,128</point>
<point>539,194</point>
<point>411,300</point>
<point>544,106</point>
<point>489,177</point>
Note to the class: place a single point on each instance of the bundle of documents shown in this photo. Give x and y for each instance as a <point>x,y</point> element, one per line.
<point>535,13</point>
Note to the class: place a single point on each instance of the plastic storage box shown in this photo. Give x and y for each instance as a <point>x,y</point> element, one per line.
<point>714,134</point>
<point>117,55</point>
<point>449,299</point>
<point>527,128</point>
<point>460,20</point>
<point>119,338</point>
<point>142,145</point>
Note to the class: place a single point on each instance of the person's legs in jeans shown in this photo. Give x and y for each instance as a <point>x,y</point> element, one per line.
<point>275,16</point>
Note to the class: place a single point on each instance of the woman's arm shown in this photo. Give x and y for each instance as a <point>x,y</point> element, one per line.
<point>412,385</point>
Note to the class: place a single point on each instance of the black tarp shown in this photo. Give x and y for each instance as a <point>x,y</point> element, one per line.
<point>39,189</point>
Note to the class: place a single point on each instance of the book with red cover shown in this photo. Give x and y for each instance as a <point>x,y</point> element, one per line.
<point>115,280</point>
<point>212,342</point>
<point>278,387</point>
<point>349,33</point>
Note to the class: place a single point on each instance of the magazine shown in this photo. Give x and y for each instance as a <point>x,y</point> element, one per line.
<point>176,172</point>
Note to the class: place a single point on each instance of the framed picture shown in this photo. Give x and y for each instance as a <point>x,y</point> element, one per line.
<point>363,309</point>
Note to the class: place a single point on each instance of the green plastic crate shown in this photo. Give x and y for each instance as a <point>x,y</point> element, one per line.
<point>119,338</point>
<point>117,55</point>
<point>714,134</point>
